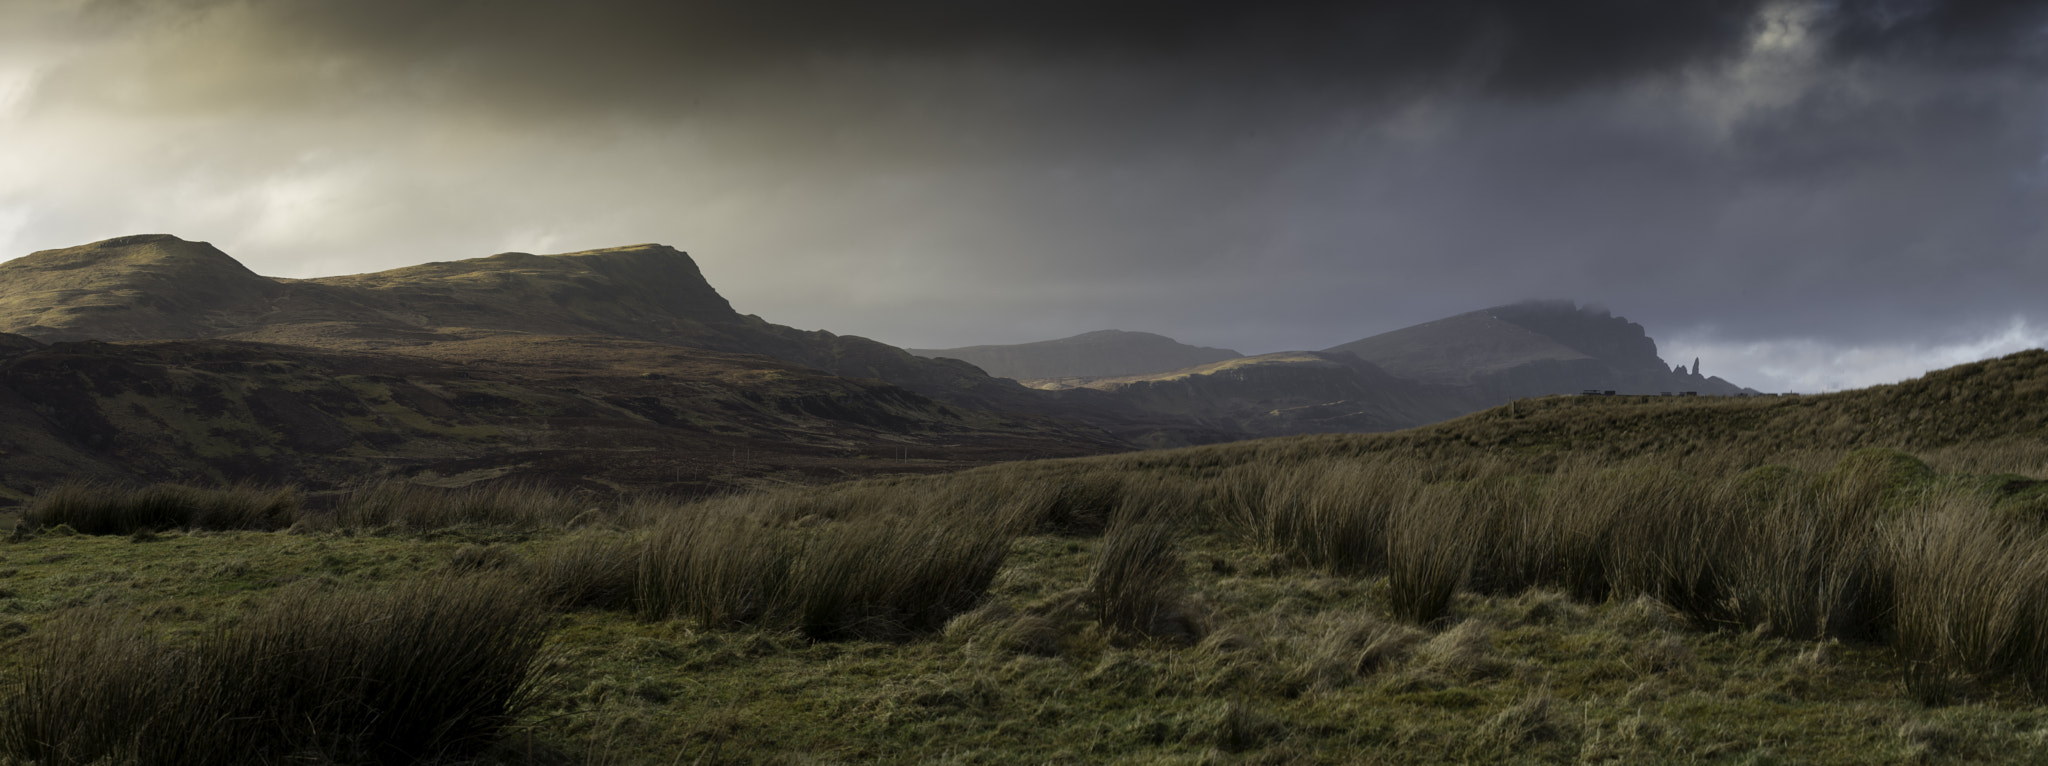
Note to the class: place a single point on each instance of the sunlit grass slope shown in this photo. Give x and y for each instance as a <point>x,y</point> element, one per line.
<point>1852,578</point>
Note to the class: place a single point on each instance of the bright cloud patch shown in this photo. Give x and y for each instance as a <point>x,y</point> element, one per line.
<point>1812,366</point>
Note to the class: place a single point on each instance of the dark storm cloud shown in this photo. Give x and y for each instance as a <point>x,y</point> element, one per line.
<point>646,54</point>
<point>1848,173</point>
<point>1963,33</point>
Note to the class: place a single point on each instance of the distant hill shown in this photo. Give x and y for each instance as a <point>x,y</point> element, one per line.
<point>160,287</point>
<point>1994,410</point>
<point>1534,348</point>
<point>568,344</point>
<point>1401,379</point>
<point>144,286</point>
<point>1293,392</point>
<point>616,368</point>
<point>1103,353</point>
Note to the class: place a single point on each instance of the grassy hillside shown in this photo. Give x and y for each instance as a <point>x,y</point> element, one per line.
<point>603,413</point>
<point>1853,578</point>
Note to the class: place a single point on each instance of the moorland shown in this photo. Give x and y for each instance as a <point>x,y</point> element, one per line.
<point>1858,577</point>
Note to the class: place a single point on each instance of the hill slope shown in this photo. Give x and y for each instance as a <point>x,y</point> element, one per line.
<point>1293,392</point>
<point>576,411</point>
<point>1103,353</point>
<point>141,286</point>
<point>1995,410</point>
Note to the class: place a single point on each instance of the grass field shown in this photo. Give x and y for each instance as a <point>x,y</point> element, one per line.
<point>1853,578</point>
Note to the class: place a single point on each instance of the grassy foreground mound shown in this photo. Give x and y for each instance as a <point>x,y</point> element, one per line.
<point>1744,581</point>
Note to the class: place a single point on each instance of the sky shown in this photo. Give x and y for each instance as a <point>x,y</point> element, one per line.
<point>1809,195</point>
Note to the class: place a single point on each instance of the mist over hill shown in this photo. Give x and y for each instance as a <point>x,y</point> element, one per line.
<point>1532,348</point>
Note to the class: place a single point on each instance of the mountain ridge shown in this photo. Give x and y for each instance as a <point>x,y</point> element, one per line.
<point>651,293</point>
<point>510,319</point>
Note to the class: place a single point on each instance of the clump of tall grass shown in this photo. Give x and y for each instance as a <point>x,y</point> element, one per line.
<point>1431,547</point>
<point>719,568</point>
<point>1804,558</point>
<point>1136,587</point>
<point>589,568</point>
<point>99,509</point>
<point>1970,596</point>
<point>1329,514</point>
<point>882,576</point>
<point>418,507</point>
<point>430,670</point>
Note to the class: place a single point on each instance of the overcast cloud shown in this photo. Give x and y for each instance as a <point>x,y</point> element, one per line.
<point>1808,194</point>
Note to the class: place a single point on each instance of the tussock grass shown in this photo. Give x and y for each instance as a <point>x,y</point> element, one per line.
<point>1328,514</point>
<point>719,568</point>
<point>1430,552</point>
<point>1971,600</point>
<point>876,576</point>
<point>589,569</point>
<point>892,578</point>
<point>418,507</point>
<point>429,670</point>
<point>98,509</point>
<point>1136,585</point>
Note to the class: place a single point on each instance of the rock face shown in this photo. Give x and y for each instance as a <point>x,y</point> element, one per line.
<point>1536,348</point>
<point>1104,353</point>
